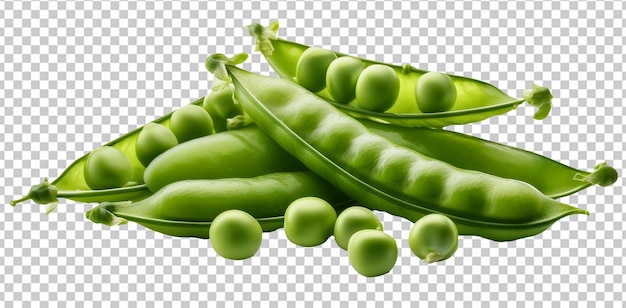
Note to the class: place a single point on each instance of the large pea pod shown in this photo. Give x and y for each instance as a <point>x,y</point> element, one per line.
<point>187,208</point>
<point>359,163</point>
<point>240,153</point>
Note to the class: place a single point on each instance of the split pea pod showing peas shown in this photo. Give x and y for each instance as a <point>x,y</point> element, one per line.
<point>382,175</point>
<point>72,183</point>
<point>439,101</point>
<point>187,208</point>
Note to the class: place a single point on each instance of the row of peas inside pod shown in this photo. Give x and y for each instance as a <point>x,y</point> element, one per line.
<point>397,94</point>
<point>375,87</point>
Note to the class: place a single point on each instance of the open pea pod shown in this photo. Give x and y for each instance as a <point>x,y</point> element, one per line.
<point>475,100</point>
<point>382,175</point>
<point>71,183</point>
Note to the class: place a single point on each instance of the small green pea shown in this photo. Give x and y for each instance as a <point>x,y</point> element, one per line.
<point>309,221</point>
<point>221,107</point>
<point>341,78</point>
<point>377,88</point>
<point>190,122</point>
<point>435,92</point>
<point>312,66</point>
<point>235,235</point>
<point>372,252</point>
<point>433,238</point>
<point>153,140</point>
<point>352,220</point>
<point>107,167</point>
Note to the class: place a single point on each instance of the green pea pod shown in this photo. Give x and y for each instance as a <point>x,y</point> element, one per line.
<point>384,176</point>
<point>187,208</point>
<point>475,100</point>
<point>472,153</point>
<point>71,183</point>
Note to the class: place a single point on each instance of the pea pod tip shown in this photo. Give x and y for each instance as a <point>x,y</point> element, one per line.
<point>603,175</point>
<point>102,215</point>
<point>43,193</point>
<point>540,97</point>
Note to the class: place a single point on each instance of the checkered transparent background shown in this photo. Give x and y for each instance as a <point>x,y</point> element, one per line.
<point>76,74</point>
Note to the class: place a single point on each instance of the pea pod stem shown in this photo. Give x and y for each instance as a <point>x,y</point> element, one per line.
<point>477,100</point>
<point>47,194</point>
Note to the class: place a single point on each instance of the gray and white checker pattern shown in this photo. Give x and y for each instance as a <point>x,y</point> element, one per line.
<point>76,74</point>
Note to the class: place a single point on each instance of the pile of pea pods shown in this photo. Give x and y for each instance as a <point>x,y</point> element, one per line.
<point>316,151</point>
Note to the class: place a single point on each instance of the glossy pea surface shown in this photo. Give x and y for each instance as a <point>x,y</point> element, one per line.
<point>341,78</point>
<point>107,167</point>
<point>312,66</point>
<point>352,220</point>
<point>153,139</point>
<point>433,238</point>
<point>372,252</point>
<point>190,122</point>
<point>235,235</point>
<point>309,221</point>
<point>221,106</point>
<point>435,92</point>
<point>377,88</point>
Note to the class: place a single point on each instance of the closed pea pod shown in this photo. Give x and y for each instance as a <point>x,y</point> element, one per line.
<point>245,152</point>
<point>476,100</point>
<point>187,208</point>
<point>273,103</point>
<point>190,122</point>
<point>153,140</point>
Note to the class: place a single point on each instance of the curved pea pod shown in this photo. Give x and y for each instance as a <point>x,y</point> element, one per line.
<point>240,153</point>
<point>382,175</point>
<point>463,151</point>
<point>475,101</point>
<point>71,183</point>
<point>187,208</point>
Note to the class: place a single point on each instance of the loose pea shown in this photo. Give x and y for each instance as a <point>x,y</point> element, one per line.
<point>235,235</point>
<point>377,88</point>
<point>221,107</point>
<point>435,92</point>
<point>153,140</point>
<point>433,238</point>
<point>107,167</point>
<point>190,122</point>
<point>309,221</point>
<point>372,252</point>
<point>352,220</point>
<point>312,66</point>
<point>341,78</point>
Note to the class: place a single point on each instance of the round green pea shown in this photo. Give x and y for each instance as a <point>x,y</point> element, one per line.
<point>435,92</point>
<point>221,106</point>
<point>352,220</point>
<point>433,238</point>
<point>341,78</point>
<point>377,88</point>
<point>372,252</point>
<point>309,221</point>
<point>153,140</point>
<point>311,68</point>
<point>235,235</point>
<point>107,167</point>
<point>190,122</point>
